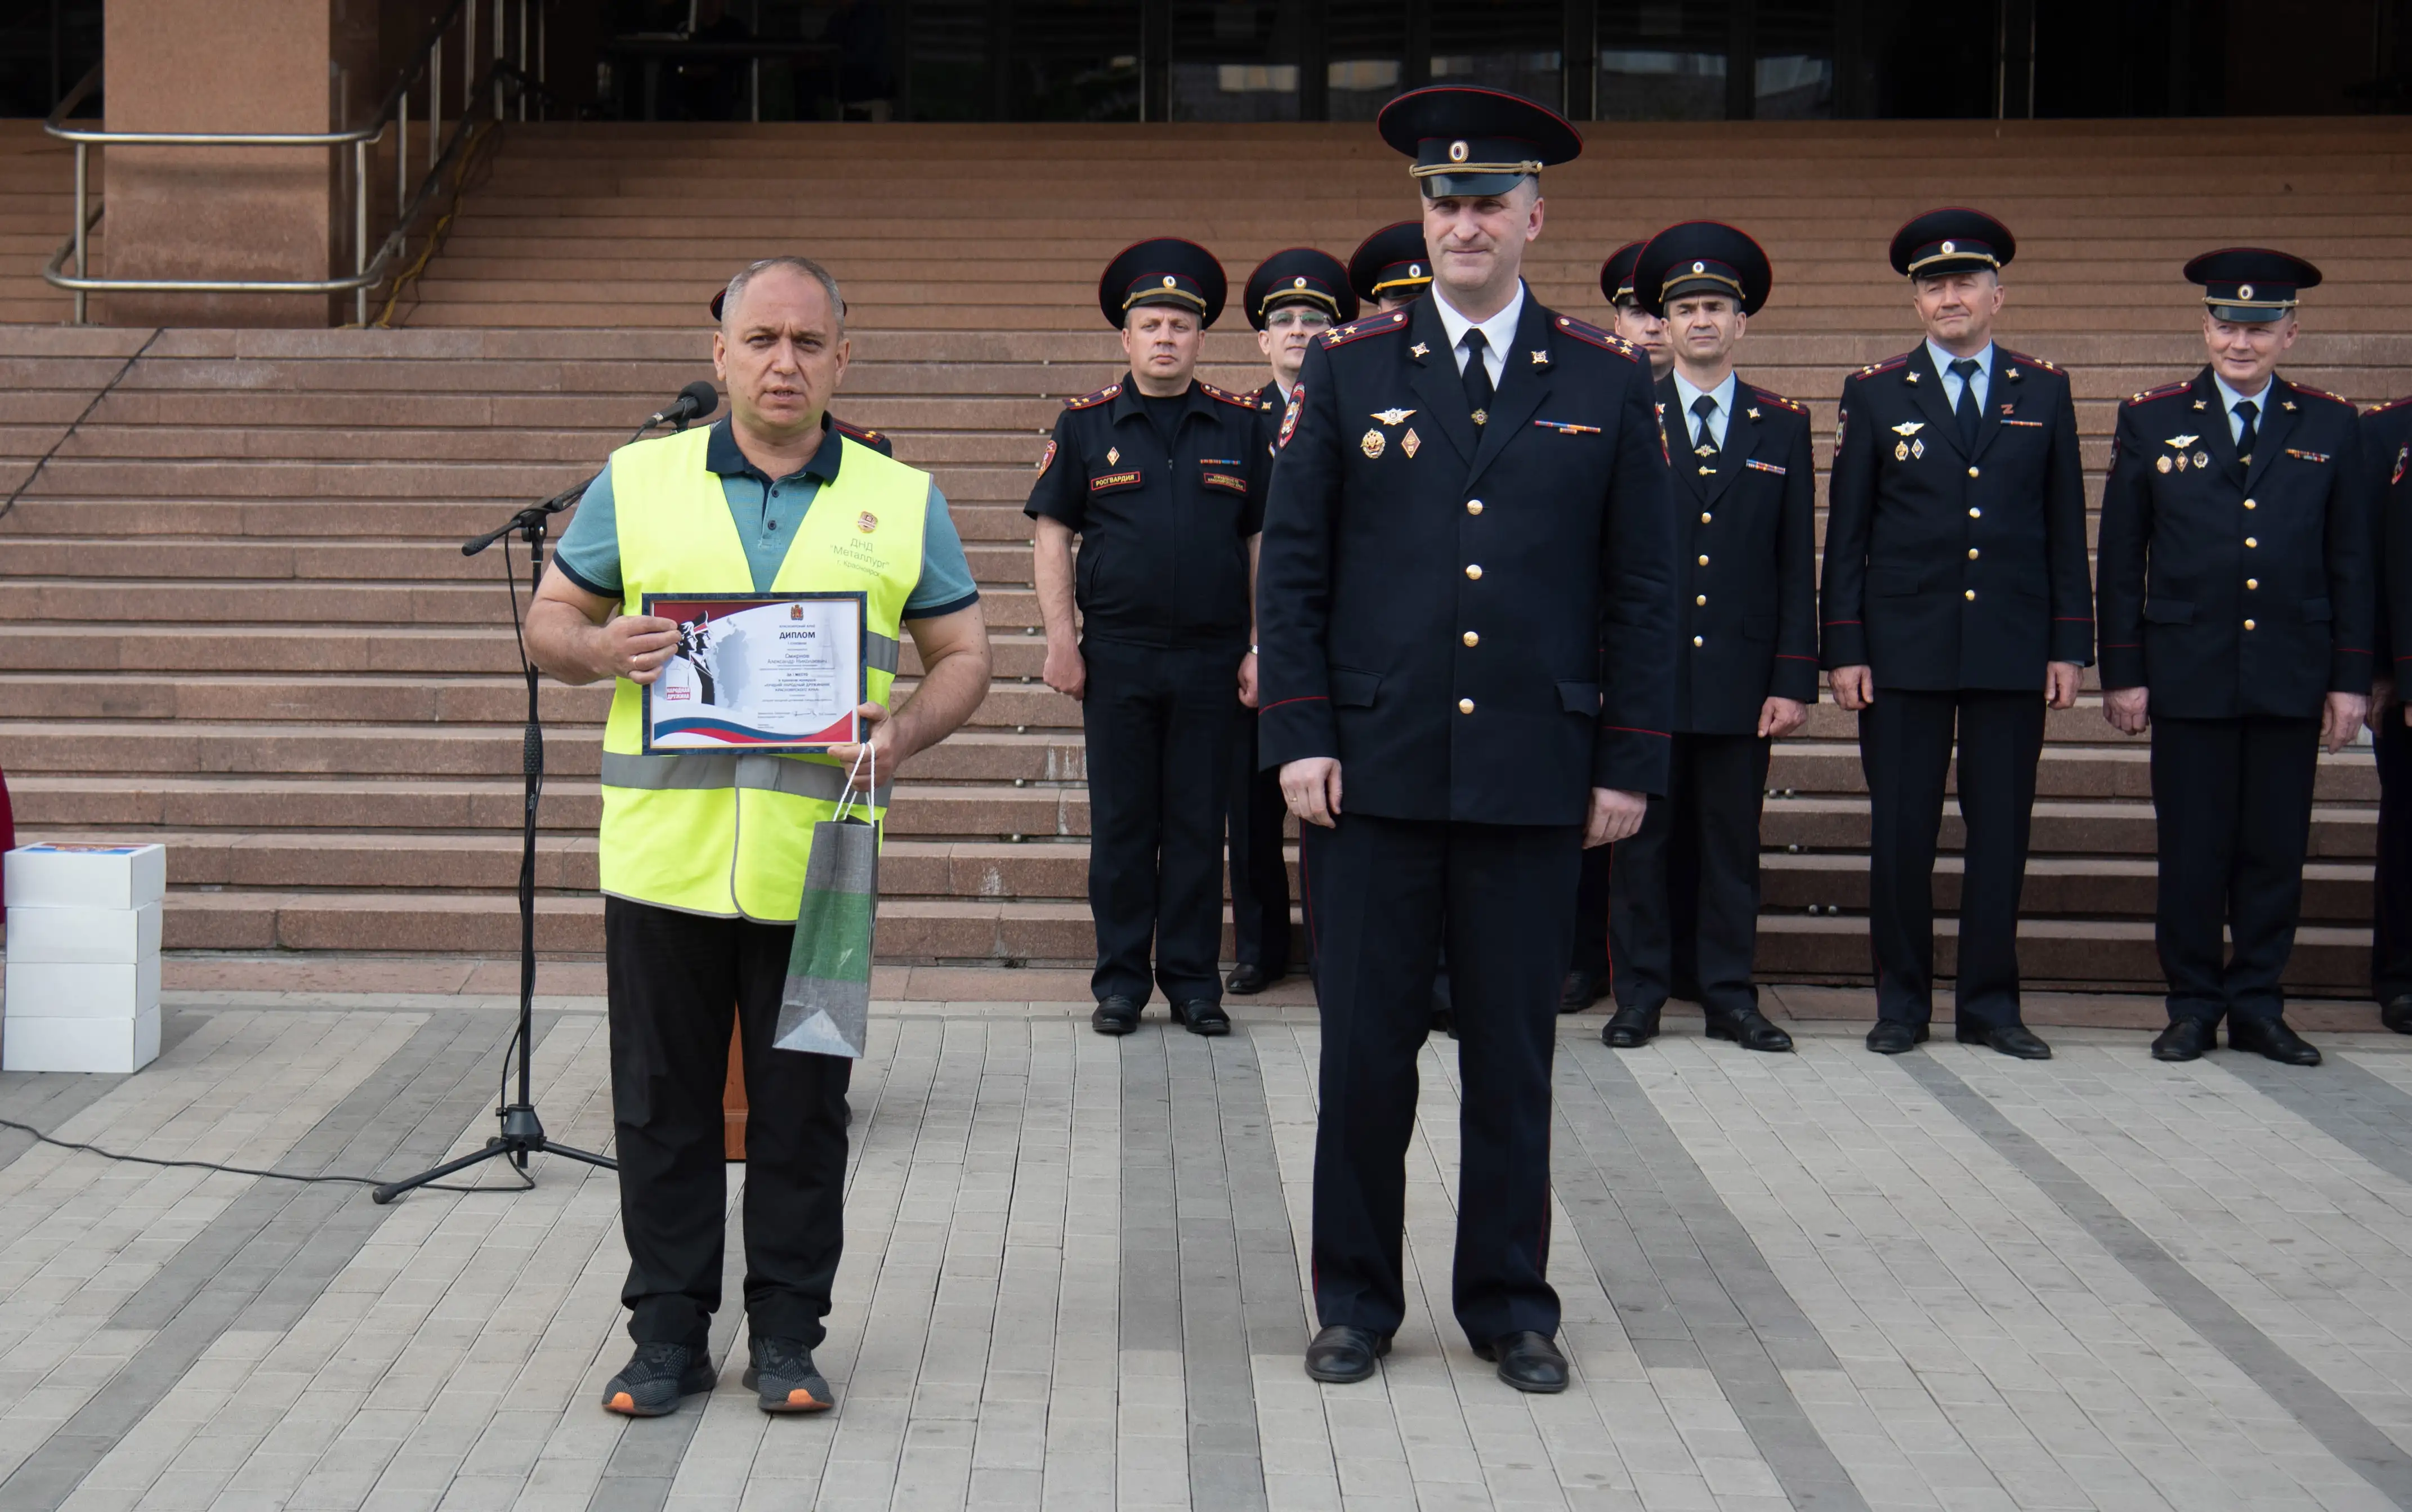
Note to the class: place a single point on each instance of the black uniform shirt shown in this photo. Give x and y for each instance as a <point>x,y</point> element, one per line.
<point>1745,561</point>
<point>1948,568</point>
<point>2387,450</point>
<point>1164,532</point>
<point>2231,591</point>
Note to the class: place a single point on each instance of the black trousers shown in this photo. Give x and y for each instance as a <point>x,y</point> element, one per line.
<point>2390,904</point>
<point>2233,799</point>
<point>1259,872</point>
<point>673,980</point>
<point>1685,899</point>
<point>1159,726</point>
<point>1905,746</point>
<point>1591,901</point>
<point>1381,896</point>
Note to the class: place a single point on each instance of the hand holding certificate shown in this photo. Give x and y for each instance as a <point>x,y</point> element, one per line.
<point>778,672</point>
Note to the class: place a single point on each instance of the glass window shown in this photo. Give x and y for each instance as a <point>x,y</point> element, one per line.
<point>1501,44</point>
<point>1025,60</point>
<point>1365,41</point>
<point>1234,60</point>
<point>1663,60</point>
<point>1794,80</point>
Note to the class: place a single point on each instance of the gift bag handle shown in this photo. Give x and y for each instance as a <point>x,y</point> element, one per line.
<point>845,805</point>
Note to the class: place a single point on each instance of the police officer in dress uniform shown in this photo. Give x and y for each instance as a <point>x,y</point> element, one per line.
<point>1588,973</point>
<point>2236,619</point>
<point>1685,896</point>
<point>1390,268</point>
<point>1294,296</point>
<point>2386,449</point>
<point>1162,478</point>
<point>1469,505</point>
<point>1955,595</point>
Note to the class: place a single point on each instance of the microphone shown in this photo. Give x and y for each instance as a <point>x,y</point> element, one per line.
<point>696,398</point>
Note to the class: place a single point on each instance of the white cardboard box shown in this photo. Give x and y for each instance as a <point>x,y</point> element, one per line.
<point>65,876</point>
<point>90,936</point>
<point>70,989</point>
<point>104,1045</point>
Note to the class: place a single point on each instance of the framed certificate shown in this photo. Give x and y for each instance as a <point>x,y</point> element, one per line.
<point>757,672</point>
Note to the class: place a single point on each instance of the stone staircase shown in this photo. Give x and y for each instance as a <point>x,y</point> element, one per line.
<point>239,622</point>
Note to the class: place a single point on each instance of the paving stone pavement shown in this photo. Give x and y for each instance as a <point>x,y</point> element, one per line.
<point>1074,1278</point>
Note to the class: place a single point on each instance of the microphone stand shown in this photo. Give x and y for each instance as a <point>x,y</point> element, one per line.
<point>522,1133</point>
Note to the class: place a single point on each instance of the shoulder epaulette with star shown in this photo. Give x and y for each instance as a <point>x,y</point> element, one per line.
<point>2390,406</point>
<point>875,440</point>
<point>1373,325</point>
<point>2015,359</point>
<point>1247,402</point>
<point>2309,391</point>
<point>1607,341</point>
<point>2164,391</point>
<point>1093,401</point>
<point>1769,396</point>
<point>1886,366</point>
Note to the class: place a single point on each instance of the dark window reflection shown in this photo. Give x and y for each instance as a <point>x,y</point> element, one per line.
<point>1663,60</point>
<point>1364,43</point>
<point>1025,60</point>
<point>1501,44</point>
<point>1794,80</point>
<point>1234,60</point>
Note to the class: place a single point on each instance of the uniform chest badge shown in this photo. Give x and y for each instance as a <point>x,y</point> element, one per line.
<point>2163,462</point>
<point>866,522</point>
<point>1903,450</point>
<point>1540,360</point>
<point>1753,413</point>
<point>2202,458</point>
<point>1392,417</point>
<point>2182,442</point>
<point>1410,442</point>
<point>1371,444</point>
<point>1418,349</point>
<point>1113,455</point>
<point>2182,460</point>
<point>1909,428</point>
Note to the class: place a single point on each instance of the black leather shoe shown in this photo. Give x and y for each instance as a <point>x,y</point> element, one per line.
<point>2272,1040</point>
<point>1248,979</point>
<point>1342,1355</point>
<point>2015,1040</point>
<point>1200,1017</point>
<point>2397,1014</point>
<point>2184,1039</point>
<point>1891,1036</point>
<point>1750,1029</point>
<point>1581,989</point>
<point>1115,1016</point>
<point>1630,1028</point>
<point>1528,1361</point>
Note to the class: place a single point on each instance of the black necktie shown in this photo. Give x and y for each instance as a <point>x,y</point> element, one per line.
<point>2246,411</point>
<point>1964,369</point>
<point>1478,377</point>
<point>1704,442</point>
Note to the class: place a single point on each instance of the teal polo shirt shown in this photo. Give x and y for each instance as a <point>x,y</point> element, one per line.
<point>767,512</point>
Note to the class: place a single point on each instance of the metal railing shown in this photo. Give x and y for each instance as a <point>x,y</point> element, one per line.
<point>502,76</point>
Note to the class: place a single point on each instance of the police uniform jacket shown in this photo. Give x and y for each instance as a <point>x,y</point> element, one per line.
<point>2231,591</point>
<point>1745,562</point>
<point>1946,569</point>
<point>2387,450</point>
<point>1164,537</point>
<point>1477,621</point>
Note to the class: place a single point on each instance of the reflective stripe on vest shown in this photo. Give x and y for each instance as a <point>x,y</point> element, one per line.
<point>724,832</point>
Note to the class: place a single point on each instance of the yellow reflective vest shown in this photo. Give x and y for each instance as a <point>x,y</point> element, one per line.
<point>726,832</point>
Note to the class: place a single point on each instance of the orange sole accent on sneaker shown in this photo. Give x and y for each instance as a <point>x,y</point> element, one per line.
<point>801,1398</point>
<point>622,1402</point>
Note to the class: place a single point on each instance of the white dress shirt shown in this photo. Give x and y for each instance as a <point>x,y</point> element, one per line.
<point>1983,380</point>
<point>1498,332</point>
<point>1722,395</point>
<point>2229,399</point>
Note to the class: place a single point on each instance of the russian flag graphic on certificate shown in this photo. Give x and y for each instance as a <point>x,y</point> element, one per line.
<point>756,671</point>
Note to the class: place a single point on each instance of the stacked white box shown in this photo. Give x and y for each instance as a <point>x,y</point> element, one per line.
<point>83,957</point>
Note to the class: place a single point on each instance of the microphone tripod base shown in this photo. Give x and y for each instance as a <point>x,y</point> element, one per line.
<point>522,1136</point>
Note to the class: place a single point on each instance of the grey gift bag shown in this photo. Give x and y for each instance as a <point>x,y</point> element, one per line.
<point>826,1009</point>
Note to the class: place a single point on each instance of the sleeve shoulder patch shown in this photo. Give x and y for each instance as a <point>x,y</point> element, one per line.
<point>1769,396</point>
<point>2021,358</point>
<point>1093,401</point>
<point>1887,366</point>
<point>1247,402</point>
<point>1607,341</point>
<point>2164,391</point>
<point>1373,325</point>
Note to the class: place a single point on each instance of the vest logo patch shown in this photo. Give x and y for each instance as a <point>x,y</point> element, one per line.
<point>866,522</point>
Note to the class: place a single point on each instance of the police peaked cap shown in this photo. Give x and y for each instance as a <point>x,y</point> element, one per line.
<point>1474,141</point>
<point>1392,260</point>
<point>1300,275</point>
<point>2251,285</point>
<point>1953,240</point>
<point>1702,257</point>
<point>1616,274</point>
<point>1164,271</point>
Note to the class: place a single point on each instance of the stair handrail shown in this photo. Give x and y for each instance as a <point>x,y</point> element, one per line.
<point>368,270</point>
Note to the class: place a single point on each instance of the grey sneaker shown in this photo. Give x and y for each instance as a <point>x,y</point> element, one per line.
<point>783,1372</point>
<point>657,1377</point>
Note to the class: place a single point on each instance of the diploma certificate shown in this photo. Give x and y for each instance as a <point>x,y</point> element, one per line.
<point>757,672</point>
